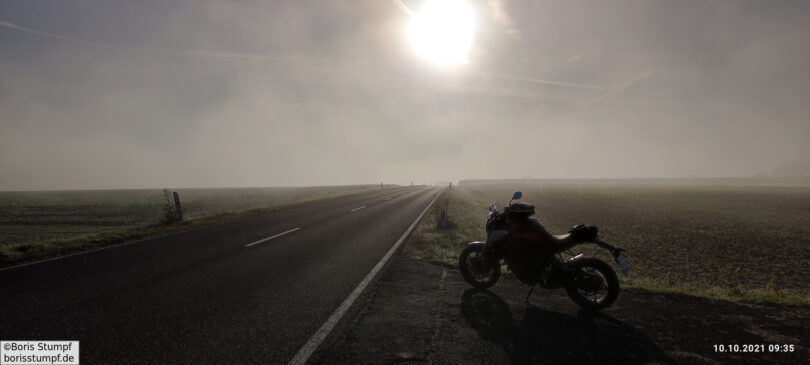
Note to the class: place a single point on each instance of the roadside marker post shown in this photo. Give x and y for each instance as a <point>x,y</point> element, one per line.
<point>177,206</point>
<point>443,218</point>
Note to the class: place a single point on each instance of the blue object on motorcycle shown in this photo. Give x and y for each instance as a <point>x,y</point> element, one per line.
<point>517,195</point>
<point>623,264</point>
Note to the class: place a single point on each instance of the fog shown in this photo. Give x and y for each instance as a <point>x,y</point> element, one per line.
<point>141,94</point>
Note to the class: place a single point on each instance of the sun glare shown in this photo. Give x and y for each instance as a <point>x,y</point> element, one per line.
<point>442,31</point>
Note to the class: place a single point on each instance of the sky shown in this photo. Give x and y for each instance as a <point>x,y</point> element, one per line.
<point>171,93</point>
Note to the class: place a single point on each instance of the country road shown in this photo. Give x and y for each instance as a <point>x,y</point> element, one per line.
<point>248,291</point>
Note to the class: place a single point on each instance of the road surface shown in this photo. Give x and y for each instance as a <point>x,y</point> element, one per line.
<point>249,291</point>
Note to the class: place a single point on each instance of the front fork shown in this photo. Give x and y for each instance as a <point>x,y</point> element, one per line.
<point>489,256</point>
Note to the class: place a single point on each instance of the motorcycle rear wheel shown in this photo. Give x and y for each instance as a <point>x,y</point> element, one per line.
<point>475,271</point>
<point>599,289</point>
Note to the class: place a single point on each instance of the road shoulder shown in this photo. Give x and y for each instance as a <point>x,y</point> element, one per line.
<point>422,313</point>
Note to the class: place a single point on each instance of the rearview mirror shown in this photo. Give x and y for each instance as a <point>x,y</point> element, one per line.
<point>517,195</point>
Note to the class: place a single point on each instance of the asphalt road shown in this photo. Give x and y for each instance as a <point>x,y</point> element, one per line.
<point>216,294</point>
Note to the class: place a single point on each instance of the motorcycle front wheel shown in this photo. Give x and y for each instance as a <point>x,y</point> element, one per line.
<point>595,285</point>
<point>475,270</point>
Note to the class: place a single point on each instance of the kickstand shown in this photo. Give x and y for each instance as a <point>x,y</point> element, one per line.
<point>529,295</point>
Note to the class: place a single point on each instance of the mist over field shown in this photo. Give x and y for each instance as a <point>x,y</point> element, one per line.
<point>149,94</point>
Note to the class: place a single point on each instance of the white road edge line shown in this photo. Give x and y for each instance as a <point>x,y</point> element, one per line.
<point>309,348</point>
<point>355,209</point>
<point>271,237</point>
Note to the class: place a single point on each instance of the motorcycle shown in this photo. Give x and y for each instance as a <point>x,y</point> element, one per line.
<point>536,257</point>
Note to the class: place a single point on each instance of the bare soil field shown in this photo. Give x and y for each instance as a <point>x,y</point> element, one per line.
<point>740,243</point>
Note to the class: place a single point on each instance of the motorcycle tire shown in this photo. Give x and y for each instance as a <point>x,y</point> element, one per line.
<point>606,274</point>
<point>467,264</point>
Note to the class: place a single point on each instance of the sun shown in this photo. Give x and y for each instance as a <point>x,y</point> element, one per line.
<point>442,31</point>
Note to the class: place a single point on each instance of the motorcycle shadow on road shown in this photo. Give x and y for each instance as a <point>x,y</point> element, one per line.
<point>544,336</point>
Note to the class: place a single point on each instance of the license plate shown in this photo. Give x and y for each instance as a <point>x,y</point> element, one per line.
<point>623,264</point>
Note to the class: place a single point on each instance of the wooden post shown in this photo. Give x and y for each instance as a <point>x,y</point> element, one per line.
<point>177,206</point>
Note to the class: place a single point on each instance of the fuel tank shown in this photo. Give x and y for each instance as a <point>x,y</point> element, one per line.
<point>527,229</point>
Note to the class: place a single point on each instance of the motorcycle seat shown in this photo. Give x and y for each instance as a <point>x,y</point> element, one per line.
<point>561,236</point>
